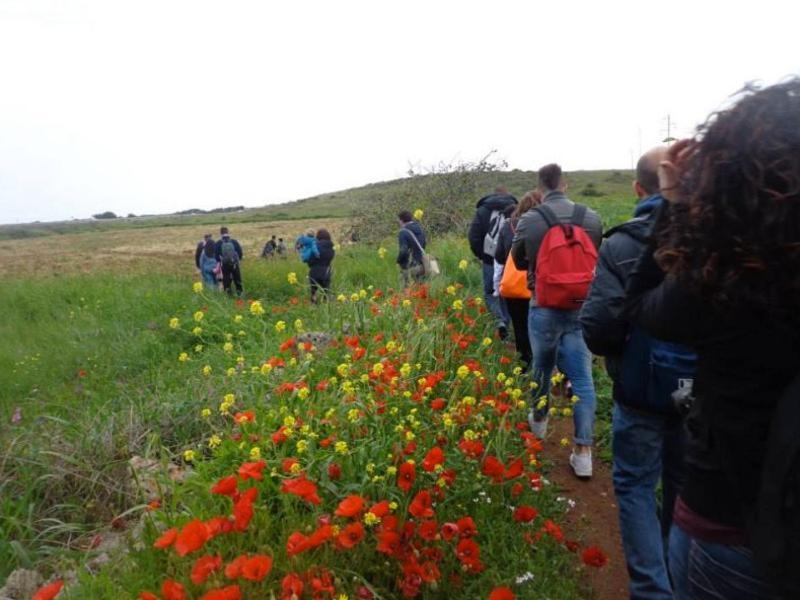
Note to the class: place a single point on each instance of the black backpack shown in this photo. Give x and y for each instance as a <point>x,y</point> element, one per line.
<point>230,258</point>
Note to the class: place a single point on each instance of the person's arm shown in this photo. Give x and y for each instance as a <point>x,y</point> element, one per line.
<point>403,252</point>
<point>604,327</point>
<point>197,253</point>
<point>475,235</point>
<point>218,250</point>
<point>519,250</point>
<point>503,243</point>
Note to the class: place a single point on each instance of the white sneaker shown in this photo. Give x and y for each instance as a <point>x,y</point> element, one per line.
<point>581,464</point>
<point>538,428</point>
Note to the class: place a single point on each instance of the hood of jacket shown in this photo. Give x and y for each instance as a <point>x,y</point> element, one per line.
<point>496,201</point>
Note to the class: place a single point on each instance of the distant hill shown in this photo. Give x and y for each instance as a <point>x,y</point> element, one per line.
<point>608,191</point>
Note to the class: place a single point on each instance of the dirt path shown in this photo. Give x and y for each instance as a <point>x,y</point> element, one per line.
<point>594,519</point>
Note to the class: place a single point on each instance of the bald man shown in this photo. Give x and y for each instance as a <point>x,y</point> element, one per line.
<point>647,427</point>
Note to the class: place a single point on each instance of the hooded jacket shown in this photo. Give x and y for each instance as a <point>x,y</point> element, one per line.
<point>319,267</point>
<point>480,223</point>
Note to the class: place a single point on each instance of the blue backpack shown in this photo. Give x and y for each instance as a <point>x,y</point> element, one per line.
<point>656,376</point>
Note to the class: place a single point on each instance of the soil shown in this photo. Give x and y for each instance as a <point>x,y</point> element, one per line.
<point>594,520</point>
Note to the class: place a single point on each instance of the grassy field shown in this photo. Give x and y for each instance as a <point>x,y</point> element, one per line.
<point>90,376</point>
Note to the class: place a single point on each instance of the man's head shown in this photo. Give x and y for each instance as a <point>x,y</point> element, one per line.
<point>207,236</point>
<point>550,178</point>
<point>405,216</point>
<point>223,231</point>
<point>646,183</point>
<point>501,190</point>
<point>273,237</point>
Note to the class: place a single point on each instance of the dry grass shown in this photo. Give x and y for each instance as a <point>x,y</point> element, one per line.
<point>134,249</point>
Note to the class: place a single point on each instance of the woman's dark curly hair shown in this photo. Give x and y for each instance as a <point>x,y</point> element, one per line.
<point>736,239</point>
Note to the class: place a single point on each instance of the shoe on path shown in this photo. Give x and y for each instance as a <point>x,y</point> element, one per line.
<point>538,428</point>
<point>581,464</point>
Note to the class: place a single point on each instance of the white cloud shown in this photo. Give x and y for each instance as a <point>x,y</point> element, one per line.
<point>158,106</point>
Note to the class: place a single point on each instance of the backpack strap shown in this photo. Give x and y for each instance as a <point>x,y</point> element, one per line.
<point>549,216</point>
<point>578,215</point>
<point>416,241</point>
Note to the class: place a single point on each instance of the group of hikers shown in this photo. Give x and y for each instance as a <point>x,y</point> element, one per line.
<point>219,261</point>
<point>694,304</point>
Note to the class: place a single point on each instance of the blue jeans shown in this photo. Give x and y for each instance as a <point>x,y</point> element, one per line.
<point>707,571</point>
<point>555,332</point>
<point>646,448</point>
<point>495,304</point>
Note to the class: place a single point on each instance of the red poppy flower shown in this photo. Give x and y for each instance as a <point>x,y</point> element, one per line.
<point>233,570</point>
<point>501,593</point>
<point>172,590</point>
<point>301,487</point>
<point>516,489</point>
<point>191,538</point>
<point>256,567</point>
<point>467,527</point>
<point>428,530</point>
<point>232,592</point>
<point>433,458</point>
<point>291,586</point>
<point>406,475</point>
<point>218,525</point>
<point>49,591</point>
<point>388,542</point>
<point>350,506</point>
<point>350,535</point>
<point>553,530</point>
<point>594,557</point>
<point>525,514</point>
<point>380,509</point>
<point>334,471</point>
<point>288,463</point>
<point>468,551</point>
<point>471,448</point>
<point>203,567</point>
<point>227,486</point>
<point>422,505</point>
<point>247,416</point>
<point>438,404</point>
<point>492,467</point>
<point>167,538</point>
<point>252,470</point>
<point>243,509</point>
<point>513,470</point>
<point>147,596</point>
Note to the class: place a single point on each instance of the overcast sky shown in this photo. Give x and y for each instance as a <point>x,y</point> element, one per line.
<point>151,107</point>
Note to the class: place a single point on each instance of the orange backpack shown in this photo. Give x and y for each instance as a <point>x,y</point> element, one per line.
<point>514,283</point>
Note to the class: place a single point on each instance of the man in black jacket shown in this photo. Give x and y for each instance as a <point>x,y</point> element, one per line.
<point>487,221</point>
<point>229,253</point>
<point>411,243</point>
<point>648,440</point>
<point>201,245</point>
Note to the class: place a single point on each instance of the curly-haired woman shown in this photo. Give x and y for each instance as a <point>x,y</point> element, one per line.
<point>724,277</point>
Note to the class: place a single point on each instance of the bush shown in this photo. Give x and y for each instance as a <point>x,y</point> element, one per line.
<point>591,191</point>
<point>105,215</point>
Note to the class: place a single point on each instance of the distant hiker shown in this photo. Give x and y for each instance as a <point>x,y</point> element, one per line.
<point>319,266</point>
<point>280,249</point>
<point>483,234</point>
<point>229,253</point>
<point>307,247</point>
<point>198,252</point>
<point>510,283</point>
<point>208,263</point>
<point>411,242</point>
<point>557,243</point>
<point>269,248</point>
<point>647,429</point>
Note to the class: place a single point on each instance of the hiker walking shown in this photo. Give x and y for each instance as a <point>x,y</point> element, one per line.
<point>307,247</point>
<point>721,275</point>
<point>319,266</point>
<point>229,253</point>
<point>198,251</point>
<point>209,266</point>
<point>483,235</point>
<point>510,283</point>
<point>557,243</point>
<point>647,427</point>
<point>269,248</point>
<point>280,249</point>
<point>411,243</point>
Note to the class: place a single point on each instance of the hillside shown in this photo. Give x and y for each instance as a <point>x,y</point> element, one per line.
<point>612,189</point>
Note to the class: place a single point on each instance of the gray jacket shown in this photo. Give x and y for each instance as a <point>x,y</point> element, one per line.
<point>532,228</point>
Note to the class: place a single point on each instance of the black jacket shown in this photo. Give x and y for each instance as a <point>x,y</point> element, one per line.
<point>236,246</point>
<point>198,252</point>
<point>745,360</point>
<point>480,223</point>
<point>409,252</point>
<point>319,267</point>
<point>504,240</point>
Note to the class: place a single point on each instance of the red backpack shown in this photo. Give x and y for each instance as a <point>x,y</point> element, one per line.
<point>566,261</point>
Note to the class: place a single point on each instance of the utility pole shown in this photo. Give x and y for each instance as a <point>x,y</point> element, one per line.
<point>670,125</point>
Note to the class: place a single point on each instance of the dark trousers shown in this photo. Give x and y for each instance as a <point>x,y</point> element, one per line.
<point>518,309</point>
<point>319,284</point>
<point>232,274</point>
